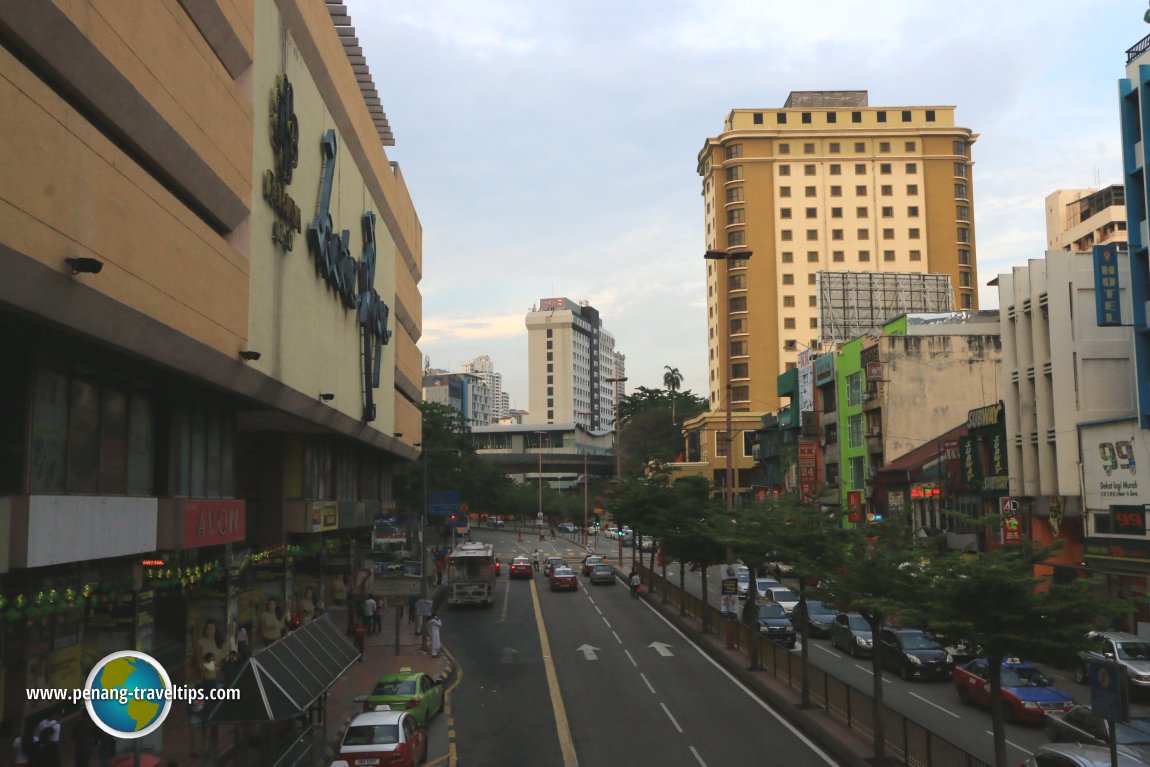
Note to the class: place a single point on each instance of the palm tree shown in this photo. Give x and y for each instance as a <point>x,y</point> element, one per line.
<point>671,379</point>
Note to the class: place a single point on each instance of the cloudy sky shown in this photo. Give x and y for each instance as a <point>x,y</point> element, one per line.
<point>550,145</point>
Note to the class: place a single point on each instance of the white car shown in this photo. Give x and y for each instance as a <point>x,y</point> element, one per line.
<point>762,584</point>
<point>384,737</point>
<point>784,596</point>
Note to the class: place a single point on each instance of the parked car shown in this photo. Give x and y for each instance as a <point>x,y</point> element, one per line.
<point>407,690</point>
<point>565,527</point>
<point>1078,755</point>
<point>520,568</point>
<point>551,563</point>
<point>784,596</point>
<point>762,584</point>
<point>913,654</point>
<point>1081,725</point>
<point>775,625</point>
<point>493,522</point>
<point>602,574</point>
<point>384,737</point>
<point>851,632</point>
<point>1127,650</point>
<point>743,574</point>
<point>563,578</point>
<point>1028,695</point>
<point>818,616</point>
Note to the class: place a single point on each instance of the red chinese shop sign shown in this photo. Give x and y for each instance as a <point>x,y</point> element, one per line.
<point>209,522</point>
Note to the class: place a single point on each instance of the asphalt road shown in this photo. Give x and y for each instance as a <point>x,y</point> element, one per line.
<point>594,677</point>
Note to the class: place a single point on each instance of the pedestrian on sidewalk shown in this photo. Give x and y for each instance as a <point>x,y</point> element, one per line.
<point>45,752</point>
<point>83,738</point>
<point>636,581</point>
<point>369,614</point>
<point>433,626</point>
<point>357,637</point>
<point>380,606</point>
<point>411,602</point>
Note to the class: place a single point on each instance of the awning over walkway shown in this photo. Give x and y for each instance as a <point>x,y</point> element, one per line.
<point>282,681</point>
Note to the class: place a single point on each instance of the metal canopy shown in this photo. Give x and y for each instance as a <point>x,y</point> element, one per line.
<point>284,680</point>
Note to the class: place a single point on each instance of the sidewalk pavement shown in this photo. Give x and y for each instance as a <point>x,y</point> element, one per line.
<point>379,657</point>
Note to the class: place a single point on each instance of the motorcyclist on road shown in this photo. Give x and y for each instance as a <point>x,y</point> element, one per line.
<point>635,581</point>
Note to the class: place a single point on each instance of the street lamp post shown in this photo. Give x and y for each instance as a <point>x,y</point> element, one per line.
<point>727,256</point>
<point>729,481</point>
<point>539,476</point>
<point>618,446</point>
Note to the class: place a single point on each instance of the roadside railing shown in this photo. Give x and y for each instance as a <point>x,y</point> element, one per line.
<point>905,738</point>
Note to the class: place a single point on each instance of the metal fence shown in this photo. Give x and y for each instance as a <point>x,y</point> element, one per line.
<point>904,737</point>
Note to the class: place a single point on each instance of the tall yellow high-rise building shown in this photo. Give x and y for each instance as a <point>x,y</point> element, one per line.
<point>825,184</point>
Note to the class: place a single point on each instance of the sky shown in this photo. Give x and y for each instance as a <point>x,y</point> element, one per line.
<point>550,146</point>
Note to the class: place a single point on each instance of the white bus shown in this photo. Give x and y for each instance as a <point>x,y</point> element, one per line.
<point>471,574</point>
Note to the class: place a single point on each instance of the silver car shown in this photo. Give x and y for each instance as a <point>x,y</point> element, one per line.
<point>602,574</point>
<point>1127,650</point>
<point>1077,755</point>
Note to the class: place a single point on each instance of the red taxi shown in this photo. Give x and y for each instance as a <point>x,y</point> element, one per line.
<point>564,578</point>
<point>1028,695</point>
<point>521,568</point>
<point>384,739</point>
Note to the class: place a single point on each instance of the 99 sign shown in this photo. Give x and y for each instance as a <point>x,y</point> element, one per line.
<point>1117,455</point>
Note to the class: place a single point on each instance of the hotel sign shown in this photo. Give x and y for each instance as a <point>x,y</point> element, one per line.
<point>1107,285</point>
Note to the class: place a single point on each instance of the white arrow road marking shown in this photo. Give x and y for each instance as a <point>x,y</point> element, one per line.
<point>588,652</point>
<point>662,648</point>
<point>508,655</point>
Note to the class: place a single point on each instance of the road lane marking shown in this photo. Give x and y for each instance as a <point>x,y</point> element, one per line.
<point>929,703</point>
<point>731,677</point>
<point>607,621</point>
<point>667,711</point>
<point>827,651</point>
<point>698,758</point>
<point>870,671</point>
<point>646,681</point>
<point>1023,749</point>
<point>628,654</point>
<point>562,726</point>
<point>448,712</point>
<point>616,635</point>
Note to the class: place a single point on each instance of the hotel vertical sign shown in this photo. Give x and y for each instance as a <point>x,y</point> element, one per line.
<point>1107,285</point>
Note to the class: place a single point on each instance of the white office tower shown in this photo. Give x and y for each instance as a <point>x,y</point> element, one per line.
<point>483,369</point>
<point>571,360</point>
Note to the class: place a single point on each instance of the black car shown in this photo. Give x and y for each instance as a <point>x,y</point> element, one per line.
<point>851,632</point>
<point>819,617</point>
<point>914,654</point>
<point>775,625</point>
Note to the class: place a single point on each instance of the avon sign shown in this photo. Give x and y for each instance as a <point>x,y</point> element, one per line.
<point>209,522</point>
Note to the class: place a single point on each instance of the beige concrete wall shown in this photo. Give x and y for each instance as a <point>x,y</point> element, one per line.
<point>930,384</point>
<point>67,190</point>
